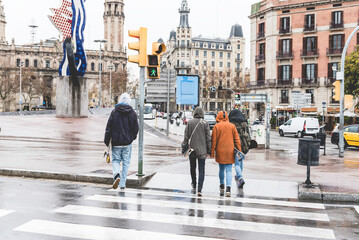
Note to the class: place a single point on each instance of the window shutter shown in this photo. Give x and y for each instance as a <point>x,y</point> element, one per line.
<point>330,41</point>
<point>290,72</point>
<point>288,23</point>
<point>279,72</point>
<point>343,39</point>
<point>303,71</point>
<point>315,43</point>
<point>315,71</point>
<point>280,46</point>
<point>333,17</point>
<point>281,23</point>
<point>330,71</point>
<point>313,20</point>
<point>290,46</point>
<point>304,44</point>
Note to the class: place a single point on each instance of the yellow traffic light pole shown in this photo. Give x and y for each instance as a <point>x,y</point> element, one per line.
<point>141,60</point>
<point>341,77</point>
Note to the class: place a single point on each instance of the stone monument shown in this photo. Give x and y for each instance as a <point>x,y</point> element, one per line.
<point>71,90</point>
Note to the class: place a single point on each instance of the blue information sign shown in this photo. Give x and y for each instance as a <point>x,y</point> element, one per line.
<point>187,90</point>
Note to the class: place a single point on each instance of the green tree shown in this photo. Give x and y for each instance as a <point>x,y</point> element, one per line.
<point>352,74</point>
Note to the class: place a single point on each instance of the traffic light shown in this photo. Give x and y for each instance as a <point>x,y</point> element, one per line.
<point>220,88</point>
<point>336,90</point>
<point>153,68</point>
<point>237,96</point>
<point>140,46</point>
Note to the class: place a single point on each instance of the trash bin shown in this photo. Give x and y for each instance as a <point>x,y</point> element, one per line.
<point>322,137</point>
<point>308,148</point>
<point>308,155</point>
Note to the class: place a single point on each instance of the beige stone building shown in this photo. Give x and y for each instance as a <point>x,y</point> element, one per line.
<point>296,45</point>
<point>216,61</point>
<point>43,58</point>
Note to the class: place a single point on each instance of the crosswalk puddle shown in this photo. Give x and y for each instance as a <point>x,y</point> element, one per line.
<point>199,221</point>
<point>4,212</point>
<point>80,231</point>
<point>211,207</point>
<point>239,200</point>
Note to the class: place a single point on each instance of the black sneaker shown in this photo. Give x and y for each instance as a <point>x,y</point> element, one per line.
<point>122,188</point>
<point>221,190</point>
<point>199,194</point>
<point>228,191</point>
<point>193,186</point>
<point>116,181</point>
<point>241,183</point>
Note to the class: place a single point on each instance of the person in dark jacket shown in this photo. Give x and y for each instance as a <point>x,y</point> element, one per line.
<point>237,118</point>
<point>121,131</point>
<point>201,143</point>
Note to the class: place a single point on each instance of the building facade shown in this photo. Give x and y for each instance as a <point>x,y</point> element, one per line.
<point>216,61</point>
<point>296,45</point>
<point>43,59</point>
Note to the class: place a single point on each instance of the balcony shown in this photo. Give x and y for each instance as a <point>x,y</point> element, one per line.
<point>309,82</point>
<point>330,81</point>
<point>334,51</point>
<point>182,66</point>
<point>304,53</point>
<point>336,25</point>
<point>284,100</point>
<point>285,55</point>
<point>309,28</point>
<point>260,35</point>
<point>238,60</point>
<point>285,83</point>
<point>285,30</point>
<point>260,58</point>
<point>262,84</point>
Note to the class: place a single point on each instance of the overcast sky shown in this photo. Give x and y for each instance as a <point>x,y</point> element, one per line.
<point>210,18</point>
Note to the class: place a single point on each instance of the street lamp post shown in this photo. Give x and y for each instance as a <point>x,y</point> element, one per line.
<point>21,65</point>
<point>110,68</point>
<point>100,69</point>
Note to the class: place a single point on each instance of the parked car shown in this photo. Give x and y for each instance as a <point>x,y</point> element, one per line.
<point>185,114</point>
<point>159,114</point>
<point>211,119</point>
<point>300,127</point>
<point>351,136</point>
<point>186,119</point>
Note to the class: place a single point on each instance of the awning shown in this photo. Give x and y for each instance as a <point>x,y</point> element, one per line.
<point>313,109</point>
<point>333,110</point>
<point>347,114</point>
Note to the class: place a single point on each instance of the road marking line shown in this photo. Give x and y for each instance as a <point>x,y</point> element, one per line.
<point>357,209</point>
<point>81,231</point>
<point>4,212</point>
<point>199,221</point>
<point>212,207</point>
<point>241,200</point>
<point>151,134</point>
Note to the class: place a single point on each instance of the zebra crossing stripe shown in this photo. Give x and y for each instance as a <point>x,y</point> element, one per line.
<point>240,200</point>
<point>199,221</point>
<point>4,212</point>
<point>357,209</point>
<point>212,207</point>
<point>80,231</point>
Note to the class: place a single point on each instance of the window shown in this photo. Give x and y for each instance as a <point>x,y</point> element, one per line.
<point>332,73</point>
<point>286,46</point>
<point>197,62</point>
<point>221,54</point>
<point>197,53</point>
<point>213,45</point>
<point>205,53</point>
<point>284,73</point>
<point>310,45</point>
<point>228,64</point>
<point>35,63</point>
<point>311,91</point>
<point>212,105</point>
<point>238,67</point>
<point>284,25</point>
<point>228,74</point>
<point>18,62</point>
<point>92,66</point>
<point>229,54</point>
<point>337,18</point>
<point>213,54</point>
<point>336,42</point>
<point>221,64</point>
<point>284,96</point>
<point>213,64</point>
<point>238,56</point>
<point>309,72</point>
<point>261,30</point>
<point>262,49</point>
<point>309,24</point>
<point>27,63</point>
<point>205,63</point>
<point>221,46</point>
<point>260,74</point>
<point>47,63</point>
<point>352,129</point>
<point>238,46</point>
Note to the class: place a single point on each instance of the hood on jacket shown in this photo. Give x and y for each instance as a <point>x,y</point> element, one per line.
<point>125,99</point>
<point>222,116</point>
<point>198,113</point>
<point>237,116</point>
<point>123,108</point>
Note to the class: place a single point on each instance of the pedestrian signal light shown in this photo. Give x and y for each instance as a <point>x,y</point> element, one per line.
<point>336,90</point>
<point>140,46</point>
<point>158,48</point>
<point>220,88</point>
<point>237,96</point>
<point>153,67</point>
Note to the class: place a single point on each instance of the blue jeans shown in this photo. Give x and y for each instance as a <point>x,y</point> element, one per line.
<point>228,169</point>
<point>238,166</point>
<point>121,154</point>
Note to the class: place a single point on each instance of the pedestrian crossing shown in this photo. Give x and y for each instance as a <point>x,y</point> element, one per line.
<point>4,212</point>
<point>182,216</point>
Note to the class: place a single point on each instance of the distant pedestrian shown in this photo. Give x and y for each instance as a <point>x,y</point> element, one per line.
<point>237,118</point>
<point>224,140</point>
<point>198,137</point>
<point>121,131</point>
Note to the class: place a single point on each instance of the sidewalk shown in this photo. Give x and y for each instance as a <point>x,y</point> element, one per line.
<point>71,149</point>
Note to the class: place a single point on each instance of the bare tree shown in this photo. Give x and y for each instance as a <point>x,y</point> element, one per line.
<point>118,83</point>
<point>8,86</point>
<point>31,85</point>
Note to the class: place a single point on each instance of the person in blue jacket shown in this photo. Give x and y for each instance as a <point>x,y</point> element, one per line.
<point>121,131</point>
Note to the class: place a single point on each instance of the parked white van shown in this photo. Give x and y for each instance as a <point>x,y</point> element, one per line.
<point>300,127</point>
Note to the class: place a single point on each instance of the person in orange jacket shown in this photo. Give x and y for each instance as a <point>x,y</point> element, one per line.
<point>225,139</point>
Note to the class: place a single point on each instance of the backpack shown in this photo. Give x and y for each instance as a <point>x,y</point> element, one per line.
<point>244,136</point>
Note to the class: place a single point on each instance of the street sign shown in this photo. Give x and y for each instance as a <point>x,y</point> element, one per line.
<point>301,100</point>
<point>213,89</point>
<point>156,91</point>
<point>256,98</point>
<point>324,104</point>
<point>187,92</point>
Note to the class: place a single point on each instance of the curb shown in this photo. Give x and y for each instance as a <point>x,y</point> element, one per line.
<point>316,194</point>
<point>132,180</point>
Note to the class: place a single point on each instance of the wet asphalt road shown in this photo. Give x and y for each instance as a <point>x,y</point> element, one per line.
<point>52,210</point>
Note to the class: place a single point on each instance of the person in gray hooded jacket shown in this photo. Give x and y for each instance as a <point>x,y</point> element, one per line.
<point>197,136</point>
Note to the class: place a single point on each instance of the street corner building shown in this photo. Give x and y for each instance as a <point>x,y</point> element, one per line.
<point>296,46</point>
<point>40,62</point>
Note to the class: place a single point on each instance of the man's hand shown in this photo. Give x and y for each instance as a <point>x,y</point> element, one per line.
<point>208,155</point>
